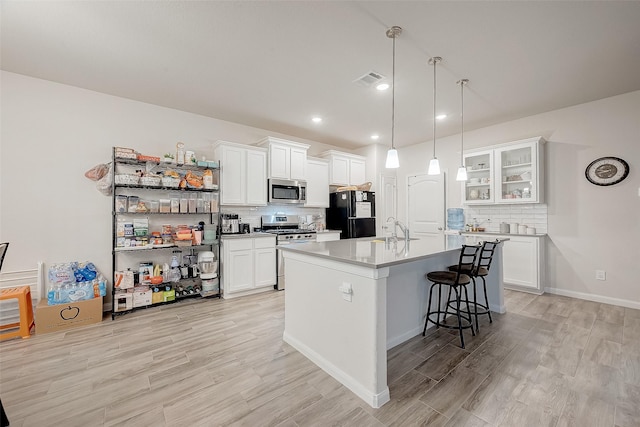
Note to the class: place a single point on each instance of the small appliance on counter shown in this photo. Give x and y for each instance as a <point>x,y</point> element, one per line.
<point>245,228</point>
<point>229,224</point>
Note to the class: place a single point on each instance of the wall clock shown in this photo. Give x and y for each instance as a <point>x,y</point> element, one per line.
<point>607,171</point>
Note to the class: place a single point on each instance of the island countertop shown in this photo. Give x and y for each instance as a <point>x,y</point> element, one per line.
<point>372,252</point>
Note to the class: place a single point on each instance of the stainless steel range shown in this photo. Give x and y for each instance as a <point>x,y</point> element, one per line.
<point>286,228</point>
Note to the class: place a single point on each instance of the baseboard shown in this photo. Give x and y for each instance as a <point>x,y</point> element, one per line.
<point>374,400</point>
<point>594,298</point>
<point>404,337</point>
<point>498,308</point>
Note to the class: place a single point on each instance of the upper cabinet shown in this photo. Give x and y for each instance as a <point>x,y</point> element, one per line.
<point>317,183</point>
<point>243,174</point>
<point>345,168</point>
<point>508,173</point>
<point>287,159</point>
<point>479,185</point>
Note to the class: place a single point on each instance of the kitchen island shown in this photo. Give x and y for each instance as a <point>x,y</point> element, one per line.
<point>347,302</point>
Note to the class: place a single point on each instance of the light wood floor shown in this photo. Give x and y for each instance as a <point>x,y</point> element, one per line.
<point>550,361</point>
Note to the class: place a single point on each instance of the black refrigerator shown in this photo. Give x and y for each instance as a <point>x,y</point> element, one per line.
<point>353,213</point>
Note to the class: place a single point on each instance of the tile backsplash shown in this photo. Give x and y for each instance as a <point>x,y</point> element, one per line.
<point>252,215</point>
<point>490,217</point>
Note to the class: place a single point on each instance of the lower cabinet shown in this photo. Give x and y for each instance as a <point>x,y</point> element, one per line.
<point>248,265</point>
<point>521,263</point>
<point>522,258</point>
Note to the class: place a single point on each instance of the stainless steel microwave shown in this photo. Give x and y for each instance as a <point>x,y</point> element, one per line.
<point>287,191</point>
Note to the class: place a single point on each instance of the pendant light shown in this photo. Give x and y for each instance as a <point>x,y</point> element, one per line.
<point>462,170</point>
<point>392,155</point>
<point>434,164</point>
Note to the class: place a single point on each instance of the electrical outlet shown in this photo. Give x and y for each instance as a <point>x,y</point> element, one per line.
<point>601,275</point>
<point>347,291</point>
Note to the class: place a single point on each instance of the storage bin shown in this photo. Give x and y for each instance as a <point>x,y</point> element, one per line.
<point>127,179</point>
<point>171,182</point>
<point>150,181</point>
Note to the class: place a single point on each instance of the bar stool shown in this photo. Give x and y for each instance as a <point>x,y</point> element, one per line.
<point>457,282</point>
<point>481,270</point>
<point>23,295</point>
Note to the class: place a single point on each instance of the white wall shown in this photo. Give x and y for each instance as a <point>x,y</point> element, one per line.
<point>589,227</point>
<point>51,134</point>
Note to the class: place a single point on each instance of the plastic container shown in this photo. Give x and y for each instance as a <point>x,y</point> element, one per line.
<point>455,218</point>
<point>165,205</point>
<point>132,203</point>
<point>175,206</point>
<point>209,233</point>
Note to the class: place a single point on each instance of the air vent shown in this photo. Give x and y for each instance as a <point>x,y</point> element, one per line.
<point>369,79</point>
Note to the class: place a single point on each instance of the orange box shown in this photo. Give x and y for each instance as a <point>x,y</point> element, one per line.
<point>54,318</point>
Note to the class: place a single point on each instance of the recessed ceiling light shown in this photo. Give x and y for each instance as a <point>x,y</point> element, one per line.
<point>375,136</point>
<point>441,116</point>
<point>316,119</point>
<point>383,86</point>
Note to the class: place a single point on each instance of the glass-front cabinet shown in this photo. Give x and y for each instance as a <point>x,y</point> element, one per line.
<point>506,173</point>
<point>478,187</point>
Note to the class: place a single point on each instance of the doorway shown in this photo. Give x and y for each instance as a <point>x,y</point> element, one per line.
<point>389,199</point>
<point>426,207</point>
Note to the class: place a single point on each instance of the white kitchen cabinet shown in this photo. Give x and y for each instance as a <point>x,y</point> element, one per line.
<point>478,188</point>
<point>317,183</point>
<point>519,175</point>
<point>509,173</point>
<point>522,259</point>
<point>345,168</point>
<point>264,269</point>
<point>243,174</point>
<point>248,265</point>
<point>287,159</point>
<point>521,263</point>
<point>256,174</point>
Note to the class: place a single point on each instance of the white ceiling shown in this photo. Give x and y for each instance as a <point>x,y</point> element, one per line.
<point>274,64</point>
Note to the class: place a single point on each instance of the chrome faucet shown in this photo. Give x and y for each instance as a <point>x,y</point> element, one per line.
<point>397,224</point>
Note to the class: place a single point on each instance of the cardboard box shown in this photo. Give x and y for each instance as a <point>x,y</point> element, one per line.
<point>169,295</point>
<point>124,301</point>
<point>54,318</point>
<point>142,296</point>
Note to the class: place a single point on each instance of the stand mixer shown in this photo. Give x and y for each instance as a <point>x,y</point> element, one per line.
<point>208,270</point>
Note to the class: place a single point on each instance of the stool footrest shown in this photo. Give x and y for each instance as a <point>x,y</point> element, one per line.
<point>437,322</point>
<point>482,309</point>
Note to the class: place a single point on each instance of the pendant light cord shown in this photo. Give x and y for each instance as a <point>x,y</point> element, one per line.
<point>393,94</point>
<point>435,61</point>
<point>462,82</point>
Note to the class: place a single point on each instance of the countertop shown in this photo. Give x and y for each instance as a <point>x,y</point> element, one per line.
<point>479,233</point>
<point>372,252</point>
<point>246,235</point>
